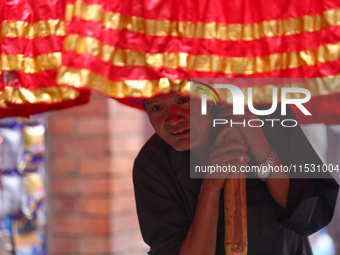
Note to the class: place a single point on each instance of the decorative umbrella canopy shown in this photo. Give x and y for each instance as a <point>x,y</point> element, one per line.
<point>32,36</point>
<point>52,51</point>
<point>140,48</point>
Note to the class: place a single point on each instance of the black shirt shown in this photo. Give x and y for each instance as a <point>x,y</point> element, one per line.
<point>166,199</point>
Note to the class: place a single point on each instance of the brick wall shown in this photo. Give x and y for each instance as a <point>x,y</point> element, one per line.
<point>91,202</point>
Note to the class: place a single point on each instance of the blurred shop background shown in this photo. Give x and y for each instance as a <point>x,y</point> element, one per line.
<point>81,199</point>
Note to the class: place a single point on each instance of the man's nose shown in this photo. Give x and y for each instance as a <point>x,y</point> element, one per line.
<point>174,116</point>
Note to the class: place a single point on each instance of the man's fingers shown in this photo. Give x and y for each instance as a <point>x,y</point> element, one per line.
<point>238,164</point>
<point>219,140</point>
<point>225,169</point>
<point>229,146</point>
<point>231,156</point>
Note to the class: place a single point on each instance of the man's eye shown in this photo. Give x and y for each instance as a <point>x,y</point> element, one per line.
<point>156,108</point>
<point>183,99</point>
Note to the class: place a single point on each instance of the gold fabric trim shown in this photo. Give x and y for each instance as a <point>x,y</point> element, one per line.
<point>31,65</point>
<point>203,30</point>
<point>146,89</point>
<point>263,94</point>
<point>208,30</point>
<point>119,89</point>
<point>27,30</point>
<point>203,63</point>
<point>49,95</point>
<point>88,45</point>
<point>2,99</point>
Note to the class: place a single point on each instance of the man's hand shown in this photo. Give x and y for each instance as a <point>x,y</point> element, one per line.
<point>278,184</point>
<point>253,136</point>
<point>201,237</point>
<point>231,153</point>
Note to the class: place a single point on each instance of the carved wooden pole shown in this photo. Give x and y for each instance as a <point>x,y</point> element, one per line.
<point>235,208</point>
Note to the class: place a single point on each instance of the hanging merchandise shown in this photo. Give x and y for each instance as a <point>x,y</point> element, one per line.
<point>34,147</point>
<point>11,180</point>
<point>22,164</point>
<point>33,140</point>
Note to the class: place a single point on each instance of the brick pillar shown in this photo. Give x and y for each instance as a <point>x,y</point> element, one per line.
<point>90,155</point>
<point>128,135</point>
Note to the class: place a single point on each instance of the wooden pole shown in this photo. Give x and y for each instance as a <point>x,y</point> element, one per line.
<point>235,208</point>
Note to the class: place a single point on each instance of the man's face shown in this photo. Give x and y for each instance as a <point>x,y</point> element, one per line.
<point>170,116</point>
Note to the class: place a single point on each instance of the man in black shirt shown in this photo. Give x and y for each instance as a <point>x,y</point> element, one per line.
<point>180,215</point>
